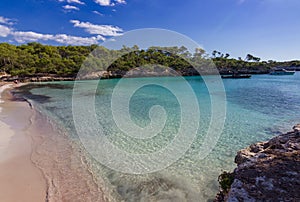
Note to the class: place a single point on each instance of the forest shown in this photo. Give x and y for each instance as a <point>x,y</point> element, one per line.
<point>34,58</point>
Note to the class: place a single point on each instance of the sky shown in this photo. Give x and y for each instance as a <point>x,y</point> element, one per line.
<point>269,29</point>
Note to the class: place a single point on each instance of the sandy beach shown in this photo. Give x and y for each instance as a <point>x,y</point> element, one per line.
<point>20,180</point>
<point>36,162</point>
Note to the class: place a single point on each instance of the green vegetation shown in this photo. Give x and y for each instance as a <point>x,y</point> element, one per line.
<point>251,63</point>
<point>37,59</point>
<point>225,180</point>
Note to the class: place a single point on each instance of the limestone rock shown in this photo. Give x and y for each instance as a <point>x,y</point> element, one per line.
<point>268,171</point>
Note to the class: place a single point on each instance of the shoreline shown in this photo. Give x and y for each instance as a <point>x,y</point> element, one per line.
<point>265,171</point>
<point>20,179</point>
<point>66,171</point>
<point>109,75</point>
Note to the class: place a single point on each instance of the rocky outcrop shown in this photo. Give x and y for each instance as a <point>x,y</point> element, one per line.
<point>267,171</point>
<point>37,78</point>
<point>156,72</point>
<point>135,72</point>
<point>94,75</point>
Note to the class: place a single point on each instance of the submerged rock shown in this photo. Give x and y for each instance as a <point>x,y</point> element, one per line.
<point>267,171</point>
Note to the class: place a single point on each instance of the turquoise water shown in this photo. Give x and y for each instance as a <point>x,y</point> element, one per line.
<point>257,109</point>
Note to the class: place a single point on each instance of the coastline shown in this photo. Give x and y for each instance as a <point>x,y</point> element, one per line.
<point>20,179</point>
<point>266,171</point>
<point>135,73</point>
<point>39,161</point>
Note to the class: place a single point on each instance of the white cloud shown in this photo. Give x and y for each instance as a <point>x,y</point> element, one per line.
<point>99,32</point>
<point>72,1</point>
<point>69,7</point>
<point>103,2</point>
<point>6,21</point>
<point>98,13</point>
<point>75,40</point>
<point>22,37</point>
<point>4,31</point>
<point>109,2</point>
<point>75,1</point>
<point>104,30</point>
<point>121,1</point>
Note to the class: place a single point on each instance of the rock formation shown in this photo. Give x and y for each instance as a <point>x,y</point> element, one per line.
<point>267,171</point>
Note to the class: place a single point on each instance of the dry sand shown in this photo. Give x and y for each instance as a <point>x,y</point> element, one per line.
<point>20,180</point>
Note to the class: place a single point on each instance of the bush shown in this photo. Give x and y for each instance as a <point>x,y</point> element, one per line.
<point>225,180</point>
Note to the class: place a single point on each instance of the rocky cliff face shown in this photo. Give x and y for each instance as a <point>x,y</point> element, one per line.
<point>267,171</point>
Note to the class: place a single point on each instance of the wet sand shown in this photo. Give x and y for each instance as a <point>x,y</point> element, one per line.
<point>38,162</point>
<point>20,179</point>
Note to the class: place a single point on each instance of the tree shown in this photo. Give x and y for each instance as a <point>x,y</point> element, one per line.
<point>214,53</point>
<point>249,57</point>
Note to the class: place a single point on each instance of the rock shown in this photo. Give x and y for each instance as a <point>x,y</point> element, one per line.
<point>94,75</point>
<point>296,128</point>
<point>38,78</point>
<point>267,171</point>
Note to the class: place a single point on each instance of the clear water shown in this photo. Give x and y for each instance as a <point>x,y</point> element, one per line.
<point>257,109</point>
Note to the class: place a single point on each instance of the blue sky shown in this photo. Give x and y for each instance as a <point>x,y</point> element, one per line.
<point>269,29</point>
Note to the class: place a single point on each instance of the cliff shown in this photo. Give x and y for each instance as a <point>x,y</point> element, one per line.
<point>266,171</point>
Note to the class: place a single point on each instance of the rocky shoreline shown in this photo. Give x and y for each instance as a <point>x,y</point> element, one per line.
<point>137,72</point>
<point>266,171</point>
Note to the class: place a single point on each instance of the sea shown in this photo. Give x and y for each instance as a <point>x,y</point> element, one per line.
<point>255,109</point>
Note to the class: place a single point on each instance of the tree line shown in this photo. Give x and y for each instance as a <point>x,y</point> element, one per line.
<point>34,58</point>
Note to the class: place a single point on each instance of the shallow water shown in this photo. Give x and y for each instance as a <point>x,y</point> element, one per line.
<point>257,109</point>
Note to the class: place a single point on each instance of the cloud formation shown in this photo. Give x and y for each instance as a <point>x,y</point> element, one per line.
<point>22,37</point>
<point>6,21</point>
<point>69,7</point>
<point>103,2</point>
<point>98,13</point>
<point>109,2</point>
<point>99,33</point>
<point>72,1</point>
<point>75,40</point>
<point>4,31</point>
<point>121,1</point>
<point>104,30</point>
